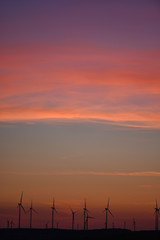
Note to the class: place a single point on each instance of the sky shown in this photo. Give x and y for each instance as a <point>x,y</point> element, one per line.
<point>80,110</point>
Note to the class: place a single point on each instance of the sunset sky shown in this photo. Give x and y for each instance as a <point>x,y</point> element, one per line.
<point>80,109</point>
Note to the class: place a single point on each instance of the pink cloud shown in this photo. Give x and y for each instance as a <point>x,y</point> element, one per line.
<point>85,82</point>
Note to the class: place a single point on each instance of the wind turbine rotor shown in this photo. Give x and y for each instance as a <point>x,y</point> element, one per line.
<point>108,203</point>
<point>21,198</point>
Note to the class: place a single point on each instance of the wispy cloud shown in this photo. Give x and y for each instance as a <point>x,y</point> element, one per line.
<point>80,82</point>
<point>89,173</point>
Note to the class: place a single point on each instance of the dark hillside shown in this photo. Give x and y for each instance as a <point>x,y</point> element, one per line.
<point>58,234</point>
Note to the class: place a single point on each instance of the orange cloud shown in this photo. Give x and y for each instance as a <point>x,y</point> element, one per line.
<point>145,120</point>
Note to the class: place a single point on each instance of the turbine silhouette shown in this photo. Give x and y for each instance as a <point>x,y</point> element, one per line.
<point>73,214</point>
<point>156,213</point>
<point>57,225</point>
<point>46,225</point>
<point>7,223</point>
<point>53,210</point>
<point>19,208</point>
<point>87,220</point>
<point>124,224</point>
<point>30,210</point>
<point>134,224</point>
<point>107,210</point>
<point>85,210</point>
<point>12,223</point>
<point>113,226</point>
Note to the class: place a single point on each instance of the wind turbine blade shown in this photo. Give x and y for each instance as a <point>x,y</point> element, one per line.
<point>154,212</point>
<point>85,205</point>
<point>34,211</point>
<point>108,203</point>
<point>71,210</point>
<point>91,217</point>
<point>87,210</point>
<point>23,208</point>
<point>110,213</point>
<point>21,197</point>
<point>56,210</point>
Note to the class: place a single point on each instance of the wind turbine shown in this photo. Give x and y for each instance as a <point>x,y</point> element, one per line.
<point>113,225</point>
<point>57,224</point>
<point>73,214</point>
<point>87,220</point>
<point>12,223</point>
<point>124,224</point>
<point>30,210</point>
<point>19,208</point>
<point>134,224</point>
<point>46,225</point>
<point>156,213</point>
<point>53,210</point>
<point>85,210</point>
<point>7,223</point>
<point>107,210</point>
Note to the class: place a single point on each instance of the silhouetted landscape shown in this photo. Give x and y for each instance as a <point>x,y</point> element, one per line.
<point>56,234</point>
<point>95,234</point>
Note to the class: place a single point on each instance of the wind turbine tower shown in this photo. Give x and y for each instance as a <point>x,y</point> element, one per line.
<point>53,210</point>
<point>30,210</point>
<point>87,220</point>
<point>85,210</point>
<point>19,208</point>
<point>73,214</point>
<point>134,224</point>
<point>124,224</point>
<point>113,226</point>
<point>156,213</point>
<point>7,223</point>
<point>12,223</point>
<point>46,225</point>
<point>107,210</point>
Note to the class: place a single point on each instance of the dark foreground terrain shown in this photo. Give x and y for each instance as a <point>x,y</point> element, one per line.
<point>58,234</point>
